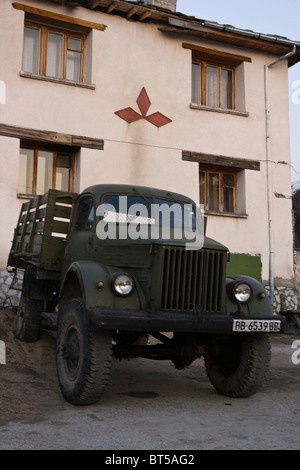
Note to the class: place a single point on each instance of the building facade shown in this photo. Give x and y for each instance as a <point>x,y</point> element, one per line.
<point>135,92</point>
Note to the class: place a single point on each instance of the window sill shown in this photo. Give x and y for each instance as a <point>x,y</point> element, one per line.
<point>57,80</point>
<point>232,112</point>
<point>226,214</point>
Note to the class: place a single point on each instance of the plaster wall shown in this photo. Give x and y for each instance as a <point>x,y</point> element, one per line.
<point>122,60</point>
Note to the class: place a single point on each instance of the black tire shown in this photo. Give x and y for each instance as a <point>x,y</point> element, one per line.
<point>83,357</point>
<point>28,320</point>
<point>239,364</point>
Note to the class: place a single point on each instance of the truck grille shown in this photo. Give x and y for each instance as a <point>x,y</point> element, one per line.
<point>193,279</point>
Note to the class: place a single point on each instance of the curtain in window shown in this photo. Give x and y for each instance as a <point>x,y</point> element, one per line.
<point>44,172</point>
<point>54,55</point>
<point>26,165</point>
<point>226,89</point>
<point>31,50</point>
<point>196,83</point>
<point>213,192</point>
<point>212,98</point>
<point>74,60</point>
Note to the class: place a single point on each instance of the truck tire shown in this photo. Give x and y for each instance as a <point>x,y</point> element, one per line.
<point>239,364</point>
<point>83,357</point>
<point>28,320</point>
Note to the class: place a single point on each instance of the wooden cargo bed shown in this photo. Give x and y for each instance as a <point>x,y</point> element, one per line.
<point>41,229</point>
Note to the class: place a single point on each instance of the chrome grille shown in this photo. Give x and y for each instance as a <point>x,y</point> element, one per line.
<point>192,279</point>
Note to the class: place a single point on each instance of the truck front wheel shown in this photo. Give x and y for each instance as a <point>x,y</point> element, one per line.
<point>237,365</point>
<point>83,357</point>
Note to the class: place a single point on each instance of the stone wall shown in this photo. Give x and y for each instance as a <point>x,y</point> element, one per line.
<point>9,296</point>
<point>285,298</point>
<point>297,273</point>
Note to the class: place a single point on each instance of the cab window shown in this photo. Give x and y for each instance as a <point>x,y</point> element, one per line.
<point>85,214</point>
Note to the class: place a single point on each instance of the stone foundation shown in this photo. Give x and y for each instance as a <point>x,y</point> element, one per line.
<point>285,298</point>
<point>10,297</point>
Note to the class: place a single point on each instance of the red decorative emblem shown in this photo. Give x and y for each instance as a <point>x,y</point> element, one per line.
<point>129,115</point>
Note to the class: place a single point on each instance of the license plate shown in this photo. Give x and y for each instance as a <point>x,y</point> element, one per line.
<point>268,326</point>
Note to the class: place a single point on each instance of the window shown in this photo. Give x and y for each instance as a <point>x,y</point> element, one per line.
<point>85,214</point>
<point>218,190</point>
<point>41,169</point>
<point>53,53</point>
<point>218,79</point>
<point>212,85</point>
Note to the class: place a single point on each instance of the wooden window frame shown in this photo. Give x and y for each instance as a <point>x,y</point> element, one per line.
<point>203,84</point>
<point>36,149</point>
<point>205,57</point>
<point>44,29</point>
<point>221,171</point>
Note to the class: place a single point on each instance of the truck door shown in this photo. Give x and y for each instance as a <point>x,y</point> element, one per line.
<point>80,245</point>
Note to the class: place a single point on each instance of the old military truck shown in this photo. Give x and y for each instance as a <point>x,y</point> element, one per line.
<point>110,290</point>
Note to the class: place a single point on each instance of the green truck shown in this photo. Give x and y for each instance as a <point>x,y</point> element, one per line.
<point>124,271</point>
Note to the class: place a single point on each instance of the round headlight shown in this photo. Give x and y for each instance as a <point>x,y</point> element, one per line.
<point>123,284</point>
<point>242,292</point>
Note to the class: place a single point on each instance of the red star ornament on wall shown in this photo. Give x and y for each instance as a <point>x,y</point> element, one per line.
<point>144,103</point>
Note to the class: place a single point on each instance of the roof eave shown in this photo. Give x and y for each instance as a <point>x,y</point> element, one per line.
<point>178,23</point>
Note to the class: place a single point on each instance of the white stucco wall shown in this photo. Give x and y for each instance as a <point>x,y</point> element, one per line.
<point>126,57</point>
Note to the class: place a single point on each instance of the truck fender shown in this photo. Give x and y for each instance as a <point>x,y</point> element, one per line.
<point>259,305</point>
<point>91,282</point>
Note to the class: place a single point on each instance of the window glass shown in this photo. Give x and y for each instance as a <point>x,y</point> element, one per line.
<point>73,66</point>
<point>217,190</point>
<point>85,214</point>
<point>228,192</point>
<point>44,171</point>
<point>31,50</point>
<point>54,55</point>
<point>63,172</point>
<point>74,44</point>
<point>212,83</point>
<point>147,211</point>
<point>53,52</point>
<point>202,187</point>
<point>228,200</point>
<point>196,83</point>
<point>213,192</point>
<point>212,86</point>
<point>26,165</point>
<point>41,170</point>
<point>226,89</point>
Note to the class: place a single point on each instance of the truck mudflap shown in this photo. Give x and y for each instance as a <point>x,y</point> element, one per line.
<point>196,322</point>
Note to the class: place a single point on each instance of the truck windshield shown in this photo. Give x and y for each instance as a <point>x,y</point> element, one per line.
<point>147,217</point>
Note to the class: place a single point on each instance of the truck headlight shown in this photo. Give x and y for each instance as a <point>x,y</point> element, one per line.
<point>242,292</point>
<point>122,284</point>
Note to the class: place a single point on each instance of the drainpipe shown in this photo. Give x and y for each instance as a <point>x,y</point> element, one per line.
<point>269,170</point>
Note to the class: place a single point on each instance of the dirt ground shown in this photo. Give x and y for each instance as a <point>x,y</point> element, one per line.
<point>148,405</point>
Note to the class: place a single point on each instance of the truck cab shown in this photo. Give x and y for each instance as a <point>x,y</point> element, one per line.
<point>135,276</point>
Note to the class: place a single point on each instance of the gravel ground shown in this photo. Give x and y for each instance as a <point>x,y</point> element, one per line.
<point>149,405</point>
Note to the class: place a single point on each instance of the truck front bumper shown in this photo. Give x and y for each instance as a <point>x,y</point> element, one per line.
<point>185,322</point>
